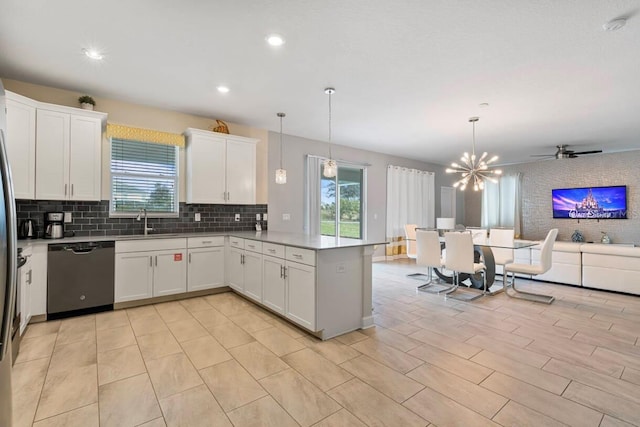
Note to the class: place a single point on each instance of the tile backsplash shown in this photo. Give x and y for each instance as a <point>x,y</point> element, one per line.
<point>92,218</point>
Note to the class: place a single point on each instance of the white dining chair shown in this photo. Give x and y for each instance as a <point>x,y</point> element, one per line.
<point>410,238</point>
<point>430,256</point>
<point>460,259</point>
<point>502,237</point>
<point>533,269</point>
<point>479,235</point>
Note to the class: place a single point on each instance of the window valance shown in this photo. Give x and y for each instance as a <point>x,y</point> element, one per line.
<point>144,135</point>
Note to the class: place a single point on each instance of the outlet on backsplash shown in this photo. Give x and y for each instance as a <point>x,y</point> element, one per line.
<point>237,217</point>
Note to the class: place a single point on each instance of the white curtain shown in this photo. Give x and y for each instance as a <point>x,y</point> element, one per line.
<point>501,203</point>
<point>312,195</point>
<point>410,200</point>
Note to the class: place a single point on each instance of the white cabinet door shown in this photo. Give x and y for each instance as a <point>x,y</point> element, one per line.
<point>134,276</point>
<point>241,172</point>
<point>26,278</point>
<point>52,155</point>
<point>170,272</point>
<point>206,268</point>
<point>39,280</point>
<point>205,168</point>
<point>253,275</point>
<point>273,284</point>
<point>235,270</point>
<point>301,294</point>
<point>85,158</point>
<point>21,147</point>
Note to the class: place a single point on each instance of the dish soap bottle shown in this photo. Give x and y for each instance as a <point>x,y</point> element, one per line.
<point>605,238</point>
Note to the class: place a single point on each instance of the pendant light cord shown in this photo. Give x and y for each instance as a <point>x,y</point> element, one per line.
<point>281,115</point>
<point>330,156</point>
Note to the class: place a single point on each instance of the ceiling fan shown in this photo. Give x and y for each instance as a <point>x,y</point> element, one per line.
<point>564,153</point>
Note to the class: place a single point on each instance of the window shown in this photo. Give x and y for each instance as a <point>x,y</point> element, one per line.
<point>143,176</point>
<point>341,208</point>
<point>501,203</point>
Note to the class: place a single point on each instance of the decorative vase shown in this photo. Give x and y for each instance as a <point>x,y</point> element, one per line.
<point>86,106</point>
<point>577,236</point>
<point>605,238</point>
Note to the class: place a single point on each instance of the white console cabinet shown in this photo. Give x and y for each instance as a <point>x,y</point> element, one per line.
<point>220,168</point>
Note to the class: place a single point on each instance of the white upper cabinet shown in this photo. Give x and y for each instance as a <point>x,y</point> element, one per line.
<point>21,144</point>
<point>68,153</point>
<point>220,168</point>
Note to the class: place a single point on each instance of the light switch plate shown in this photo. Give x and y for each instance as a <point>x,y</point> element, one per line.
<point>67,217</point>
<point>286,217</point>
<point>264,216</point>
<point>197,217</point>
<point>258,217</point>
<point>237,217</point>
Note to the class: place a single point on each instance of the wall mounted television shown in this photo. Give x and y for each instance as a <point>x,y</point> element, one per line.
<point>590,202</point>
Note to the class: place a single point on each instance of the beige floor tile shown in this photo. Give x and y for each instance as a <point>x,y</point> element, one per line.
<point>631,375</point>
<point>462,391</point>
<point>41,328</point>
<point>384,379</point>
<point>117,337</point>
<point>608,421</point>
<point>262,413</point>
<point>38,347</point>
<point>86,416</point>
<point>172,311</point>
<point>597,338</point>
<point>128,402</point>
<point>393,339</point>
<point>342,418</point>
<point>396,359</point>
<point>606,363</point>
<point>449,327</point>
<point>373,407</point>
<point>140,312</point>
<point>149,324</point>
<point>445,343</point>
<point>351,337</point>
<point>158,422</point>
<point>230,335</point>
<point>111,319</point>
<point>507,337</point>
<point>74,355</point>
<point>114,365</point>
<point>195,304</point>
<point>594,379</point>
<point>544,332</point>
<point>549,404</point>
<point>258,360</point>
<point>443,411</point>
<point>277,341</point>
<point>154,346</point>
<point>77,329</point>
<point>401,328</point>
<point>489,319</point>
<point>211,317</point>
<point>456,365</point>
<point>185,330</point>
<point>576,348</point>
<point>172,374</point>
<point>205,351</point>
<point>615,357</point>
<point>232,385</point>
<point>534,376</point>
<point>287,327</point>
<point>193,408</point>
<point>302,400</point>
<point>26,384</point>
<point>250,322</point>
<point>320,371</point>
<point>331,349</point>
<point>67,390</point>
<point>623,409</point>
<point>516,353</point>
<point>514,414</point>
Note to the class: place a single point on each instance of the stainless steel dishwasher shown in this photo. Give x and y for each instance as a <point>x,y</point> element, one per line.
<point>80,278</point>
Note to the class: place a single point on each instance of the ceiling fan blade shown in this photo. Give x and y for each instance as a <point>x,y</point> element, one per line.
<point>587,152</point>
<point>542,155</point>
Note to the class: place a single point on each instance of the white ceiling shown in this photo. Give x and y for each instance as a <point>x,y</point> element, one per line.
<point>408,73</point>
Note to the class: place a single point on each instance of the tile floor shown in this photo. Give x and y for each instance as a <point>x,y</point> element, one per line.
<point>222,361</point>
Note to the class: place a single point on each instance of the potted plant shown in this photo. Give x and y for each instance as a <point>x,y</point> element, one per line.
<point>86,102</point>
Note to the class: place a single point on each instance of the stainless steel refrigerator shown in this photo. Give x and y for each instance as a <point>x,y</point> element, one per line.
<point>8,260</point>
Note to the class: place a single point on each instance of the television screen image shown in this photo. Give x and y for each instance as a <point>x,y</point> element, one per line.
<point>590,202</point>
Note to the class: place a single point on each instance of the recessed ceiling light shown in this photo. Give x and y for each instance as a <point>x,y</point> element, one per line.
<point>93,54</point>
<point>223,89</point>
<point>275,40</point>
<point>615,24</point>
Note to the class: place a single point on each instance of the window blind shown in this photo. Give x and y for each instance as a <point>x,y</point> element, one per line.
<point>143,176</point>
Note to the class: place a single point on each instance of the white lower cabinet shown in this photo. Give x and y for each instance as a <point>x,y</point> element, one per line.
<point>273,283</point>
<point>235,269</point>
<point>206,268</point>
<point>300,291</point>
<point>244,267</point>
<point>134,276</point>
<point>252,263</point>
<point>39,280</point>
<point>169,273</point>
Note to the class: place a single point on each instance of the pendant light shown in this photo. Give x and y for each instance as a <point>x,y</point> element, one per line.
<point>474,170</point>
<point>330,166</point>
<point>281,174</point>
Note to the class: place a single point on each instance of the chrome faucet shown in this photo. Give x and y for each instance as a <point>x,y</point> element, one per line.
<point>147,229</point>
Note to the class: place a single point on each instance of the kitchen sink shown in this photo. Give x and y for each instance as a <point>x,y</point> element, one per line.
<point>149,236</point>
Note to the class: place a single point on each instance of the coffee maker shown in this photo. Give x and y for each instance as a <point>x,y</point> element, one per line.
<point>54,225</point>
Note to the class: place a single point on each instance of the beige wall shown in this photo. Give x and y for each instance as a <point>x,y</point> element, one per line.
<point>142,116</point>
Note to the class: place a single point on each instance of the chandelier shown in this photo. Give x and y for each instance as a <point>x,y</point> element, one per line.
<point>281,174</point>
<point>330,166</point>
<point>474,170</point>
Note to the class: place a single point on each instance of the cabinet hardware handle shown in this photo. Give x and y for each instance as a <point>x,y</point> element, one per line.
<point>150,261</point>
<point>298,256</point>
<point>189,258</point>
<point>65,189</point>
<point>281,273</point>
<point>156,260</point>
<point>72,189</point>
<point>30,274</point>
<point>273,251</point>
<point>285,272</point>
<point>204,242</point>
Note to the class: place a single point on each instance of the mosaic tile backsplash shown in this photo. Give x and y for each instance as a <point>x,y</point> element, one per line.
<point>92,218</point>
